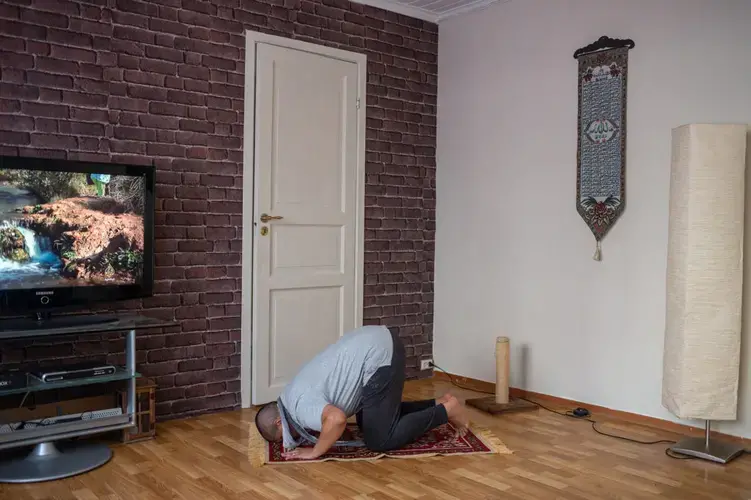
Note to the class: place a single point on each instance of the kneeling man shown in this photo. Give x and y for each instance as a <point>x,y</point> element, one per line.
<point>361,374</point>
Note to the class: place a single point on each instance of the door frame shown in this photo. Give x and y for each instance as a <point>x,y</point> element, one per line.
<point>252,39</point>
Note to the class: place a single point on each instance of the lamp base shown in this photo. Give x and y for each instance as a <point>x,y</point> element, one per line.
<point>715,451</point>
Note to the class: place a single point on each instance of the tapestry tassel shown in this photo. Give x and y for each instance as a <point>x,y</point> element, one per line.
<point>598,252</point>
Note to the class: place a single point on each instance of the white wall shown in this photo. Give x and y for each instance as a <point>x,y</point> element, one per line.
<point>513,257</point>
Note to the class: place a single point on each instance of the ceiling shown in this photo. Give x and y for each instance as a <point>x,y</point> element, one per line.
<point>430,10</point>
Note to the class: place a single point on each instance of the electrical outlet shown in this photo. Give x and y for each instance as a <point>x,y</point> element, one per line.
<point>426,364</point>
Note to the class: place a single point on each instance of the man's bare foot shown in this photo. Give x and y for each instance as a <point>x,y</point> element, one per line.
<point>444,399</point>
<point>458,415</point>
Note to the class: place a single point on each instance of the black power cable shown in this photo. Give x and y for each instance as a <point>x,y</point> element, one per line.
<point>571,415</point>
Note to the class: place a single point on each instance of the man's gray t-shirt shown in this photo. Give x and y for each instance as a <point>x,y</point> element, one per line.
<point>337,376</point>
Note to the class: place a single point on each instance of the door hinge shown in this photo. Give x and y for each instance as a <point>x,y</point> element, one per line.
<point>358,103</point>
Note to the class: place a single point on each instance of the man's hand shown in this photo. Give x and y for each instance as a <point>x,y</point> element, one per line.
<point>302,454</point>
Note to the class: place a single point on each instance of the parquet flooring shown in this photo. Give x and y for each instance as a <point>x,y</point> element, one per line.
<point>204,458</point>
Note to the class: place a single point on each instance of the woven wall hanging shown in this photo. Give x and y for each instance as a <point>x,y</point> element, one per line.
<point>601,152</point>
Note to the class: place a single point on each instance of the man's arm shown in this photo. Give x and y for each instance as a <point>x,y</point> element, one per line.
<point>333,423</point>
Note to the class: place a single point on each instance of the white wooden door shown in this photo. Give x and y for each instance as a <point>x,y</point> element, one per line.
<point>307,218</point>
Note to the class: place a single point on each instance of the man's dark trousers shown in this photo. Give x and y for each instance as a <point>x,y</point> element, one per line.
<point>385,421</point>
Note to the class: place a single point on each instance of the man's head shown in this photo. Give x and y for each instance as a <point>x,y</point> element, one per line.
<point>269,423</point>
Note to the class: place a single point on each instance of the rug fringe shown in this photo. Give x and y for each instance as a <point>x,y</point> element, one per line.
<point>493,441</point>
<point>257,447</point>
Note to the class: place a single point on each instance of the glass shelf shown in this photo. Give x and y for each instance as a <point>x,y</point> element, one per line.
<point>33,384</point>
<point>22,328</point>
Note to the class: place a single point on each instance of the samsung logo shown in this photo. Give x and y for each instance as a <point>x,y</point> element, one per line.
<point>45,293</point>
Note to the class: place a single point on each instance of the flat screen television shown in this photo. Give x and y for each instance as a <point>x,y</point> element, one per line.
<point>73,234</point>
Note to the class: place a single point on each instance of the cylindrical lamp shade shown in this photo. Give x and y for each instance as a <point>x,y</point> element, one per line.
<point>704,272</point>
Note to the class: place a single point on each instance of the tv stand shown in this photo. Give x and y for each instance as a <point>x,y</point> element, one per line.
<point>50,458</point>
<point>44,323</point>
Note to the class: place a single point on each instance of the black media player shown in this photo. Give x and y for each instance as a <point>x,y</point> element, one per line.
<point>10,380</point>
<point>73,372</point>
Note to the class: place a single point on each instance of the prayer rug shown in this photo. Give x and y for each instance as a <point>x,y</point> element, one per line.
<point>601,153</point>
<point>441,441</point>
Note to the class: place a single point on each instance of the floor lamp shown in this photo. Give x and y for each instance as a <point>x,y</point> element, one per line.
<point>701,359</point>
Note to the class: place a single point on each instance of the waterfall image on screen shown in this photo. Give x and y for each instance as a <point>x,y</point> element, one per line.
<point>62,229</point>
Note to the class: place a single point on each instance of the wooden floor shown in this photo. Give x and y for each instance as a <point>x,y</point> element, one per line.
<point>554,458</point>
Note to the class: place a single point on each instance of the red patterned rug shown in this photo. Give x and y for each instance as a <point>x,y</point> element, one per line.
<point>440,441</point>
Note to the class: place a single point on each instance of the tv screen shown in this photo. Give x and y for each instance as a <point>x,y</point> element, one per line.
<point>74,232</point>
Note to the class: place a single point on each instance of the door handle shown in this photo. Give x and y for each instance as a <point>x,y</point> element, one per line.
<point>266,217</point>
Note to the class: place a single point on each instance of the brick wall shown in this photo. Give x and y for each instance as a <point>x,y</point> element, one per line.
<point>162,81</point>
